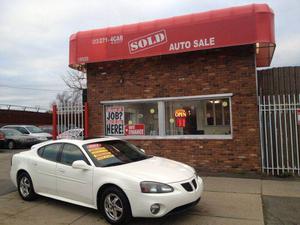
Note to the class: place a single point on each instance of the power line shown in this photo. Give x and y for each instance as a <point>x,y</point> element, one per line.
<point>28,88</point>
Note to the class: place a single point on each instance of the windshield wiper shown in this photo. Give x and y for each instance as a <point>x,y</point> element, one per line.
<point>114,164</point>
<point>142,158</point>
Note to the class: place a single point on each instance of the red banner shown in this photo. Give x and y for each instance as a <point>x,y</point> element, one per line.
<point>251,24</point>
<point>135,129</point>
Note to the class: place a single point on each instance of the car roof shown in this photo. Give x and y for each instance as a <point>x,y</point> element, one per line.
<point>78,142</point>
<point>16,125</point>
<point>75,129</point>
<point>7,128</point>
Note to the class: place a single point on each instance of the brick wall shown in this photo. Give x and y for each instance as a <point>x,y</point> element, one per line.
<point>24,117</point>
<point>226,70</point>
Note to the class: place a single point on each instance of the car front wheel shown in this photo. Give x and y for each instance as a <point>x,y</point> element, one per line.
<point>25,187</point>
<point>11,145</point>
<point>115,206</point>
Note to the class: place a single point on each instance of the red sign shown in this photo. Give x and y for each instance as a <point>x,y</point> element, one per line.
<point>180,115</point>
<point>298,116</point>
<point>243,25</point>
<point>147,41</point>
<point>135,129</point>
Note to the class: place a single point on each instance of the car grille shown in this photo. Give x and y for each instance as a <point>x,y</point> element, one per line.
<point>190,186</point>
<point>195,184</point>
<point>187,186</point>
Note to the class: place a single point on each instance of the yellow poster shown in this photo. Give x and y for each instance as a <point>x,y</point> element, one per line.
<point>101,153</point>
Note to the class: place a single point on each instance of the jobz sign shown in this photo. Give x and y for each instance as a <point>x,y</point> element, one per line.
<point>114,117</point>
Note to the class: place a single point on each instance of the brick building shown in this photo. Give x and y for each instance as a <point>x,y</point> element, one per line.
<point>183,88</point>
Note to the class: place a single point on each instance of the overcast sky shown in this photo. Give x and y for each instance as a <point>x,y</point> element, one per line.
<point>34,37</point>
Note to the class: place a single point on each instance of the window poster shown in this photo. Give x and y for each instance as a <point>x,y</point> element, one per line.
<point>114,118</point>
<point>135,129</point>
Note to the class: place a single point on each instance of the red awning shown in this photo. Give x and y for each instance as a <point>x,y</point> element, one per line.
<point>250,24</point>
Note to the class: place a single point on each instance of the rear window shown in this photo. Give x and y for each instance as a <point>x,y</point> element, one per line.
<point>49,152</point>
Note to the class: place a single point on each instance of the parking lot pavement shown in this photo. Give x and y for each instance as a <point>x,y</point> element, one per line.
<point>6,185</point>
<point>216,208</point>
<point>225,201</point>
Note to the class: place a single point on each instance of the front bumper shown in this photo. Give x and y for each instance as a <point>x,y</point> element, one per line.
<point>179,199</point>
<point>183,208</point>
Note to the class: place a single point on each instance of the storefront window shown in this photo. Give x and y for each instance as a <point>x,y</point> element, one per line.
<point>131,119</point>
<point>169,117</point>
<point>199,117</point>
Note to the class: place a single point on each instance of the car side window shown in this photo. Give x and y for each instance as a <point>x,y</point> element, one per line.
<point>40,151</point>
<point>71,153</point>
<point>50,152</point>
<point>22,130</point>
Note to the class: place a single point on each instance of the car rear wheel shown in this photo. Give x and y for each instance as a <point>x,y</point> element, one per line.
<point>115,206</point>
<point>11,145</point>
<point>25,187</point>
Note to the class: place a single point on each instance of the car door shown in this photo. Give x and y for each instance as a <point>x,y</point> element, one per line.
<point>74,184</point>
<point>44,177</point>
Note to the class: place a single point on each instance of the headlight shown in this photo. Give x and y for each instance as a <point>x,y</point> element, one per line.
<point>154,187</point>
<point>196,174</point>
<point>42,138</point>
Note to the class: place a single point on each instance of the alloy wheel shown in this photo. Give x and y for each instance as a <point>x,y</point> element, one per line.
<point>11,145</point>
<point>25,186</point>
<point>113,207</point>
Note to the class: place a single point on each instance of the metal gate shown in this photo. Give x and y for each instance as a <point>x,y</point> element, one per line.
<point>280,133</point>
<point>70,121</point>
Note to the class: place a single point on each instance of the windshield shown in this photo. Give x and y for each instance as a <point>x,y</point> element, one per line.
<point>11,132</point>
<point>34,129</point>
<point>112,153</point>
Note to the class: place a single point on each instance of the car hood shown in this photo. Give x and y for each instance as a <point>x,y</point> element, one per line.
<point>40,135</point>
<point>157,169</point>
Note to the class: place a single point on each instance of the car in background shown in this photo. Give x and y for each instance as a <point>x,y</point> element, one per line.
<point>74,134</point>
<point>108,174</point>
<point>2,139</point>
<point>32,131</point>
<point>11,139</point>
<point>47,128</point>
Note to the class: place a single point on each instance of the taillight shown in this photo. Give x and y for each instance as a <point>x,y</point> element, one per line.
<point>2,136</point>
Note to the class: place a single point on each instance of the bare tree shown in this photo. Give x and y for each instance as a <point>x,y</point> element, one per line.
<point>75,80</point>
<point>68,97</point>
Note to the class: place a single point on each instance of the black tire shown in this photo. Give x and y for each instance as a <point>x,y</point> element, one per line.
<point>25,187</point>
<point>11,144</point>
<point>113,193</point>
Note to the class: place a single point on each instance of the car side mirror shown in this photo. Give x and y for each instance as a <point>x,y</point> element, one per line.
<point>143,150</point>
<point>80,164</point>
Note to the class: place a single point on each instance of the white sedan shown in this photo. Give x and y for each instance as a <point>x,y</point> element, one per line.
<point>107,174</point>
<point>72,134</point>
